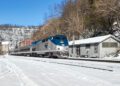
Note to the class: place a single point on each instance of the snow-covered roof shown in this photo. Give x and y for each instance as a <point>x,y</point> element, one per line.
<point>90,40</point>
<point>5,43</point>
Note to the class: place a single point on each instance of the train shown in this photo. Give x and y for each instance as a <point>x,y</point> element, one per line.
<point>52,47</point>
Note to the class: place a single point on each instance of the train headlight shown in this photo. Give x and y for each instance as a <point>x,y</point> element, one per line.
<point>60,48</point>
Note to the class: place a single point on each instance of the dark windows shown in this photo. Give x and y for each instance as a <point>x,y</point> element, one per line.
<point>114,44</point>
<point>44,40</point>
<point>110,44</point>
<point>27,49</point>
<point>46,45</point>
<point>60,39</point>
<point>33,49</point>
<point>57,38</point>
<point>87,46</point>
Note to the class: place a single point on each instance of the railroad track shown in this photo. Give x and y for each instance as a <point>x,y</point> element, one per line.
<point>88,59</point>
<point>92,59</point>
<point>99,60</point>
<point>103,68</point>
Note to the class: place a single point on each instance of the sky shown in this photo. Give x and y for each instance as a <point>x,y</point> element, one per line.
<point>25,12</point>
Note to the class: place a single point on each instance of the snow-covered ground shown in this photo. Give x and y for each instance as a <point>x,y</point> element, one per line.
<point>107,58</point>
<point>30,71</point>
<point>113,58</point>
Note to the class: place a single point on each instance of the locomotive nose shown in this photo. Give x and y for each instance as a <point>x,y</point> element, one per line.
<point>62,48</point>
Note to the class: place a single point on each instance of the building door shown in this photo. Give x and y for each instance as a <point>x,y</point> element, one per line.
<point>78,50</point>
<point>87,50</point>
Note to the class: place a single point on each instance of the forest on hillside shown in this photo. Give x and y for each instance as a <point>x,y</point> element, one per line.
<point>10,26</point>
<point>82,19</point>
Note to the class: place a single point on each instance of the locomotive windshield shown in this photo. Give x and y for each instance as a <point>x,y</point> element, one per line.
<point>60,40</point>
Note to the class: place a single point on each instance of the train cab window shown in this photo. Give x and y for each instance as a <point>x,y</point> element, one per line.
<point>58,38</point>
<point>33,49</point>
<point>63,38</point>
<point>46,45</point>
<point>43,40</point>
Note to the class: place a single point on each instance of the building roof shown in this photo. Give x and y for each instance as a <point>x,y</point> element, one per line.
<point>90,40</point>
<point>5,43</point>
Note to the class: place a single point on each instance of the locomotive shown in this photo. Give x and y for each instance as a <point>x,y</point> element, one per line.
<point>52,46</point>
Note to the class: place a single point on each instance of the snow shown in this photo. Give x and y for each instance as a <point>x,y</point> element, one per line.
<point>118,57</point>
<point>12,74</point>
<point>31,71</point>
<point>5,42</point>
<point>15,35</point>
<point>107,58</point>
<point>113,58</point>
<point>90,40</point>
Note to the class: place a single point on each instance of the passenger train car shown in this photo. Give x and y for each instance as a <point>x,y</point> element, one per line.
<point>53,46</point>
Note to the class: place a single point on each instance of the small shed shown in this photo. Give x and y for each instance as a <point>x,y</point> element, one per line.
<point>94,47</point>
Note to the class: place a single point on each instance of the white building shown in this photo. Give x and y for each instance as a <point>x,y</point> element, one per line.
<point>4,47</point>
<point>94,47</point>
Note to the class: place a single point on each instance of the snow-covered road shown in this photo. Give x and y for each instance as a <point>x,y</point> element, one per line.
<point>30,71</point>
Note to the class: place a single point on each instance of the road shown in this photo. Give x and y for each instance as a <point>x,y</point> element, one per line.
<point>30,71</point>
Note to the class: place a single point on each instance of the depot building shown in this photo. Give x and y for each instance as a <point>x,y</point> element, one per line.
<point>98,47</point>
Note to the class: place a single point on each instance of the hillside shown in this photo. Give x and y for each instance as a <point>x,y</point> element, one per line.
<point>15,34</point>
<point>79,19</point>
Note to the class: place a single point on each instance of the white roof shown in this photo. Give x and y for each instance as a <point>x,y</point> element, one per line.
<point>90,40</point>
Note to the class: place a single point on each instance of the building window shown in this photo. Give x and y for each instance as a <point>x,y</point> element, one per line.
<point>33,49</point>
<point>96,48</point>
<point>109,44</point>
<point>46,45</point>
<point>87,46</point>
<point>114,44</point>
